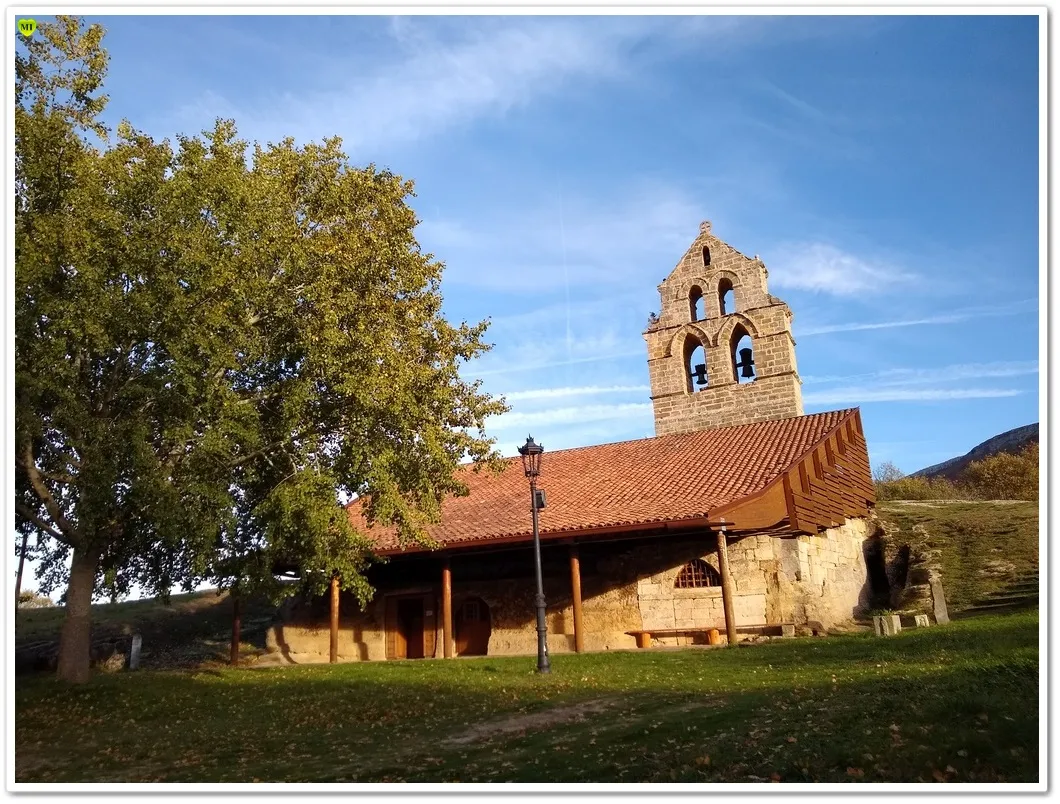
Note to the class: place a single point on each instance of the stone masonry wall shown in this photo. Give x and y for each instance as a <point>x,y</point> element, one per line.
<point>820,578</point>
<point>609,609</point>
<point>833,578</point>
<point>776,391</point>
<point>766,399</point>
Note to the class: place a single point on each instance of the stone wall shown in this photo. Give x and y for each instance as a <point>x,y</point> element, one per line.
<point>819,578</point>
<point>609,609</point>
<point>765,399</point>
<point>776,391</point>
<point>625,587</point>
<point>833,578</point>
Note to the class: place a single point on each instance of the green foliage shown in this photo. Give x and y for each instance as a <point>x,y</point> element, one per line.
<point>998,477</point>
<point>212,342</point>
<point>959,701</point>
<point>918,488</point>
<point>1005,476</point>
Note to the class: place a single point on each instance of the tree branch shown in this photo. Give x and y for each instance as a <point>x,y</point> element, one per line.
<point>35,479</point>
<point>61,477</point>
<point>24,511</point>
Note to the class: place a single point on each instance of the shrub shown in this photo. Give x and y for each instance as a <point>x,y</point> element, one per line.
<point>31,600</point>
<point>1004,476</point>
<point>919,488</point>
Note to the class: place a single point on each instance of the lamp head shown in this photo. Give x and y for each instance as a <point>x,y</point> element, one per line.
<point>531,453</point>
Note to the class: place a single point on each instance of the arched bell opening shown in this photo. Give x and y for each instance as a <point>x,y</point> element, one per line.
<point>726,297</point>
<point>696,304</point>
<point>695,364</point>
<point>743,364</point>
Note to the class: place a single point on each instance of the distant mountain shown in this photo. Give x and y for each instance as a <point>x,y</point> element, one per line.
<point>1011,441</point>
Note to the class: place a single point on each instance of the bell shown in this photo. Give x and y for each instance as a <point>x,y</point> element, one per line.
<point>746,364</point>
<point>700,375</point>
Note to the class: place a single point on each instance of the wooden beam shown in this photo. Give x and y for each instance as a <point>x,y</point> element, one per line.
<point>726,587</point>
<point>334,656</point>
<point>576,596</point>
<point>789,500</point>
<point>447,609</point>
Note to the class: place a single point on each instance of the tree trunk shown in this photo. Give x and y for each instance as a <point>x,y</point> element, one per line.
<point>21,564</point>
<point>75,640</point>
<point>334,652</point>
<point>234,657</point>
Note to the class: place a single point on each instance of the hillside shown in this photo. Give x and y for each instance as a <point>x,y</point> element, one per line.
<point>1011,441</point>
<point>191,630</point>
<point>980,546</point>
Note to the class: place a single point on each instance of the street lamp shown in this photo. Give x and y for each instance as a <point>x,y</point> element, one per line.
<point>531,453</point>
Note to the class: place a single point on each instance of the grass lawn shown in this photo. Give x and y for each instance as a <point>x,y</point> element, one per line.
<point>954,703</point>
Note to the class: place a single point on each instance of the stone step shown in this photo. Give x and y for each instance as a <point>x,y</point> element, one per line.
<point>1010,592</point>
<point>1023,585</point>
<point>1002,600</point>
<point>998,608</point>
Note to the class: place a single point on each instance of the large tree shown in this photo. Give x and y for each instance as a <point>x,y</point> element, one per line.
<point>211,345</point>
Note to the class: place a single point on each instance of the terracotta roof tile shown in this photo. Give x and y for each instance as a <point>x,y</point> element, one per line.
<point>650,480</point>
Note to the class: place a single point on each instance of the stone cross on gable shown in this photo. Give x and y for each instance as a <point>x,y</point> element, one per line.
<point>704,227</point>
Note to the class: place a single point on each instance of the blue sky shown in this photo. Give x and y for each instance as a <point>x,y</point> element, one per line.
<point>885,169</point>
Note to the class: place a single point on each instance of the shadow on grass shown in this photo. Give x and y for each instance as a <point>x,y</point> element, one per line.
<point>897,709</point>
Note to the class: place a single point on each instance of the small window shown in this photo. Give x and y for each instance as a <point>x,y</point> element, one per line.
<point>697,574</point>
<point>706,256</point>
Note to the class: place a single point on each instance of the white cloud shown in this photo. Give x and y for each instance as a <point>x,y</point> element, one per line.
<point>824,268</point>
<point>587,390</point>
<point>960,371</point>
<point>430,74</point>
<point>569,241</point>
<point>858,396</point>
<point>956,317</point>
<point>571,415</point>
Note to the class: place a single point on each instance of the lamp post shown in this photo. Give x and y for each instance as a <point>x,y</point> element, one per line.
<point>531,453</point>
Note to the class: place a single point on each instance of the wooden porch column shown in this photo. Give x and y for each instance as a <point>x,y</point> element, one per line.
<point>576,595</point>
<point>334,619</point>
<point>726,586</point>
<point>447,609</point>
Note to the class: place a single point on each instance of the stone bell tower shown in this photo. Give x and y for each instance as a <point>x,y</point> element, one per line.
<point>716,298</point>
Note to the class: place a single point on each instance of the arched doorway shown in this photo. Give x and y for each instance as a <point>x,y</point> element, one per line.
<point>472,627</point>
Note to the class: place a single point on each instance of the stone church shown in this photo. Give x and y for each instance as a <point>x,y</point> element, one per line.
<point>741,515</point>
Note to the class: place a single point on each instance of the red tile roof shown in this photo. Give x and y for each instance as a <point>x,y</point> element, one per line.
<point>647,482</point>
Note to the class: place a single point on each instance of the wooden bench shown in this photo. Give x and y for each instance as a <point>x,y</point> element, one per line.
<point>644,636</point>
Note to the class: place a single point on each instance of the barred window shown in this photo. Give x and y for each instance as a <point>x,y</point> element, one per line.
<point>695,574</point>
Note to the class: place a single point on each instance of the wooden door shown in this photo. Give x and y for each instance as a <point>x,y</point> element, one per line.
<point>472,628</point>
<point>410,627</point>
